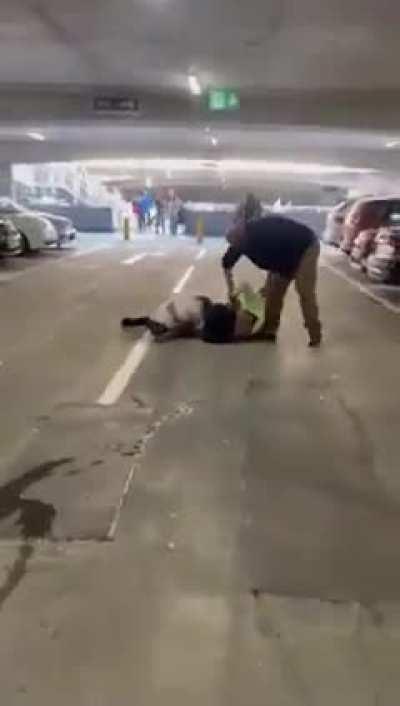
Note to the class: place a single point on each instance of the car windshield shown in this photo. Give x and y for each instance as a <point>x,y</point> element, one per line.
<point>9,206</point>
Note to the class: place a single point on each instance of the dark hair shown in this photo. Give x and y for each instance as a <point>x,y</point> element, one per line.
<point>219,324</point>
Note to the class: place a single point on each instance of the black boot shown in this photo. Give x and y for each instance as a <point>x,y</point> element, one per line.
<point>139,321</point>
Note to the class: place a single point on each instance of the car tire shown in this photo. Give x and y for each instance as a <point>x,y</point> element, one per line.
<point>25,245</point>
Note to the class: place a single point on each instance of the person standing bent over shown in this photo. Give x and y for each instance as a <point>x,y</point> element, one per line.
<point>288,251</point>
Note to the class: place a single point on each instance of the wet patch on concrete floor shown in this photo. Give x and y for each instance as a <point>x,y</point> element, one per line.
<point>34,517</point>
<point>16,572</point>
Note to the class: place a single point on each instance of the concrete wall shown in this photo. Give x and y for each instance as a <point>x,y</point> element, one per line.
<point>86,218</point>
<point>217,223</point>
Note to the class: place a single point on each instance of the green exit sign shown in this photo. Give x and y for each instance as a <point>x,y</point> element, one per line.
<point>223,99</point>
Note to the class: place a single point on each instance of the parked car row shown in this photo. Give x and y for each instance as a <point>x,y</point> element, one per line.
<point>368,230</point>
<point>23,231</point>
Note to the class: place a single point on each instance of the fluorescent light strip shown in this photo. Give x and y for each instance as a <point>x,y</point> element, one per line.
<point>228,165</point>
<point>258,166</point>
<point>194,85</point>
<point>38,136</point>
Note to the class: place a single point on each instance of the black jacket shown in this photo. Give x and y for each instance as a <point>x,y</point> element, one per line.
<point>272,243</point>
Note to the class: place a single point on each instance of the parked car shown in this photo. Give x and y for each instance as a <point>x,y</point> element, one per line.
<point>366,214</point>
<point>383,264</point>
<point>363,246</point>
<point>36,231</point>
<point>66,231</point>
<point>333,232</point>
<point>64,226</point>
<point>10,239</point>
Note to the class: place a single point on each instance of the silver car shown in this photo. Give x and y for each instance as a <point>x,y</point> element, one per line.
<point>333,232</point>
<point>36,232</point>
<point>66,231</point>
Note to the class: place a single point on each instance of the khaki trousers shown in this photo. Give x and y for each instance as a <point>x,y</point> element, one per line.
<point>305,281</point>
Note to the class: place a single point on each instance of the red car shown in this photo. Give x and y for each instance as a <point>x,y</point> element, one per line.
<point>367,214</point>
<point>383,264</point>
<point>363,246</point>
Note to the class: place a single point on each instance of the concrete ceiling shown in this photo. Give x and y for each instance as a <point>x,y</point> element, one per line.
<point>257,46</point>
<point>318,81</point>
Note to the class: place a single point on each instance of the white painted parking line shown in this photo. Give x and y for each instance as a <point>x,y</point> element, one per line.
<point>117,386</point>
<point>134,259</point>
<point>394,308</point>
<point>182,282</point>
<point>120,380</point>
<point>201,254</point>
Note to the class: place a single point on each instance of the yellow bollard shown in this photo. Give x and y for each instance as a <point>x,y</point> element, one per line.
<point>200,230</point>
<point>127,228</point>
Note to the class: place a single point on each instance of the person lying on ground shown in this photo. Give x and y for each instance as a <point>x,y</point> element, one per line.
<point>181,317</point>
<point>199,317</point>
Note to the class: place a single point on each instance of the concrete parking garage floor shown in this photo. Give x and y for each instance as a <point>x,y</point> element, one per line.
<point>226,531</point>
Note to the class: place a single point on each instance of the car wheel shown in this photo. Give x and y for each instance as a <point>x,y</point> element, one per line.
<point>25,245</point>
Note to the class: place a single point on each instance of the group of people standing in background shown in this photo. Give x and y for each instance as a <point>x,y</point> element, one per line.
<point>163,211</point>
<point>249,210</point>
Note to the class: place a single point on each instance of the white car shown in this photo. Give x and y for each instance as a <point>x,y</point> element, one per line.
<point>36,232</point>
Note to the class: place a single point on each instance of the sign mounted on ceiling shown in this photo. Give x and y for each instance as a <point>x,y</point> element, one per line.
<point>117,105</point>
<point>221,99</point>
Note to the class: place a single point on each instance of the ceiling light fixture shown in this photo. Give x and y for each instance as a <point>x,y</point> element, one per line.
<point>214,141</point>
<point>306,168</point>
<point>194,85</point>
<point>392,143</point>
<point>227,165</point>
<point>38,136</point>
